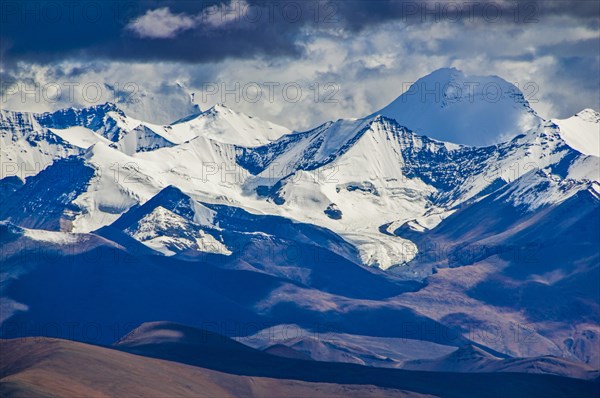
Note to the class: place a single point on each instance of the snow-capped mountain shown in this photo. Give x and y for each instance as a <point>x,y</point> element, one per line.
<point>378,173</point>
<point>225,125</point>
<point>26,147</point>
<point>356,177</point>
<point>450,105</point>
<point>582,131</point>
<point>171,222</point>
<point>31,142</point>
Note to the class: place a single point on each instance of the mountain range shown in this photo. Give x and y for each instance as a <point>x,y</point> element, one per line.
<point>455,230</point>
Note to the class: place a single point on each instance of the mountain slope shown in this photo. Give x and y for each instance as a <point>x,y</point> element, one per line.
<point>33,141</point>
<point>26,148</point>
<point>201,348</point>
<point>46,201</point>
<point>39,367</point>
<point>373,172</point>
<point>497,262</point>
<point>171,222</point>
<point>225,125</point>
<point>341,347</point>
<point>474,359</point>
<point>582,131</point>
<point>263,243</point>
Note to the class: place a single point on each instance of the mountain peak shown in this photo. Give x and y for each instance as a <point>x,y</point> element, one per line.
<point>582,131</point>
<point>223,124</point>
<point>589,115</point>
<point>98,108</point>
<point>220,107</point>
<point>108,107</point>
<point>171,190</point>
<point>452,106</point>
<point>92,117</point>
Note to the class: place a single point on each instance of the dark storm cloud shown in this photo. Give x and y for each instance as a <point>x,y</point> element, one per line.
<point>580,79</point>
<point>573,48</point>
<point>210,31</point>
<point>358,14</point>
<point>47,30</point>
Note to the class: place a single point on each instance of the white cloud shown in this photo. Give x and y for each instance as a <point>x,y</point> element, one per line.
<point>160,24</point>
<point>143,90</point>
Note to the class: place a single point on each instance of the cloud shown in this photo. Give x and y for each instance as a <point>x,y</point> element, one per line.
<point>160,24</point>
<point>219,44</point>
<point>140,89</point>
<point>188,31</point>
